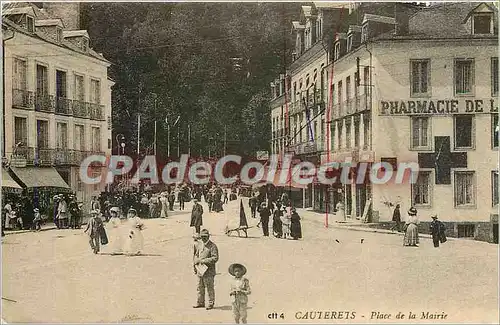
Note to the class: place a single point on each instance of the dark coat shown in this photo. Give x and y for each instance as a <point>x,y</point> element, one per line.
<point>438,230</point>
<point>209,255</point>
<point>196,216</point>
<point>295,227</point>
<point>396,216</point>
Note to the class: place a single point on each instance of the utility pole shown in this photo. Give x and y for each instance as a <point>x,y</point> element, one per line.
<point>154,141</point>
<point>178,141</point>
<point>225,140</point>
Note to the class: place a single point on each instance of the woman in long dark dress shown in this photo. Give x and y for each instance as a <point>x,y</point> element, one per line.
<point>295,227</point>
<point>277,226</point>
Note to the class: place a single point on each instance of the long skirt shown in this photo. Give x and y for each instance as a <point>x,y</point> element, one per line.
<point>296,229</point>
<point>411,235</point>
<point>134,242</point>
<point>277,227</point>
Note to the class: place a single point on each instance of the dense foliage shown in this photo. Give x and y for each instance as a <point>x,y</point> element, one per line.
<point>182,55</point>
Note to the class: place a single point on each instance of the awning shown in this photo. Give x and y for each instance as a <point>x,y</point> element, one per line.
<point>8,182</point>
<point>40,177</point>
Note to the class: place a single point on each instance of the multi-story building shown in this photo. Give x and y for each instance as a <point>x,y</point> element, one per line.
<point>416,84</point>
<point>57,96</point>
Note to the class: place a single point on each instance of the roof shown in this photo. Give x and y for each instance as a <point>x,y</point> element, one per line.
<point>328,4</point>
<point>7,180</point>
<point>379,19</point>
<point>49,22</point>
<point>442,20</point>
<point>18,11</point>
<point>75,33</point>
<point>64,43</point>
<point>297,25</point>
<point>355,28</point>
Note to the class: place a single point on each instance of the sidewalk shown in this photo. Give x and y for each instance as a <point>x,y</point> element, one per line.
<point>47,226</point>
<point>354,225</point>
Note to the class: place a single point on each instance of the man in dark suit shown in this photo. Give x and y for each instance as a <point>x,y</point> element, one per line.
<point>437,231</point>
<point>205,256</point>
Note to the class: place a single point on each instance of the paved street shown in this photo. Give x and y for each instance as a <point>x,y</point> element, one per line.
<point>52,276</point>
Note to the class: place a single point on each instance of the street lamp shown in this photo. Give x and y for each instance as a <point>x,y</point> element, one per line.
<point>120,140</point>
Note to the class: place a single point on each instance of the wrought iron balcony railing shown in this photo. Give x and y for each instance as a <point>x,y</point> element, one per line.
<point>63,106</point>
<point>96,111</point>
<point>79,109</point>
<point>22,98</point>
<point>44,103</point>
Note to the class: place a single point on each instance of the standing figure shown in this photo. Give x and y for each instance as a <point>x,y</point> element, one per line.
<point>62,213</point>
<point>206,255</point>
<point>277,226</point>
<point>37,220</point>
<point>295,226</point>
<point>286,221</point>
<point>144,208</point>
<point>74,212</point>
<point>93,231</point>
<point>396,217</point>
<point>95,205</point>
<point>182,197</point>
<point>163,203</point>
<point>265,213</point>
<point>253,203</point>
<point>55,212</point>
<point>134,242</point>
<point>240,289</point>
<point>171,200</point>
<point>8,214</point>
<point>114,231</point>
<point>411,234</point>
<point>437,231</point>
<point>196,216</point>
<point>225,196</point>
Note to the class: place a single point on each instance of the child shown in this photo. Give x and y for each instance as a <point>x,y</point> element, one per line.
<point>92,230</point>
<point>37,220</point>
<point>240,289</point>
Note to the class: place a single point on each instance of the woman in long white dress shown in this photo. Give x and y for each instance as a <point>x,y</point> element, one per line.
<point>115,231</point>
<point>134,241</point>
<point>164,205</point>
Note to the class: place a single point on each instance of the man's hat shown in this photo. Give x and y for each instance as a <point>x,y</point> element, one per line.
<point>114,209</point>
<point>196,200</point>
<point>36,210</point>
<point>434,216</point>
<point>204,233</point>
<point>237,265</point>
<point>412,211</point>
<point>132,210</point>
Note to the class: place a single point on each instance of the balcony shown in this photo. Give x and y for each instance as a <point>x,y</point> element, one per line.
<point>22,98</point>
<point>53,157</point>
<point>44,103</point>
<point>79,109</point>
<point>348,107</point>
<point>96,111</point>
<point>63,106</point>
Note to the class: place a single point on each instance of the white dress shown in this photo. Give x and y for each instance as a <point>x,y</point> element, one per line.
<point>115,235</point>
<point>134,241</point>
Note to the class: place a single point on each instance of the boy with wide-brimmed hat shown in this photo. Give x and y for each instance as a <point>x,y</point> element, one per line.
<point>240,289</point>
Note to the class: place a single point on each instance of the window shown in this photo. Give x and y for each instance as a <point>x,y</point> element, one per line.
<point>59,34</point>
<point>109,143</point>
<point>79,138</point>
<point>465,231</point>
<point>332,134</point>
<point>19,74</point>
<point>337,51</point>
<point>366,131</point>
<point>21,131</point>
<point>356,132</point>
<point>79,88</point>
<point>85,44</point>
<point>349,43</point>
<point>322,139</point>
<point>42,139</point>
<point>463,131</point>
<point>421,188</point>
<point>494,77</point>
<point>364,33</point>
<point>464,189</point>
<point>348,133</point>
<point>339,92</point>
<point>348,88</point>
<point>30,24</point>
<point>315,131</point>
<point>96,139</point>
<point>482,23</point>
<point>339,135</point>
<point>366,79</point>
<point>420,77</point>
<point>356,84</point>
<point>95,91</point>
<point>464,76</point>
<point>420,132</point>
<point>62,136</point>
<point>494,187</point>
<point>495,128</point>
<point>61,87</point>
<point>42,82</point>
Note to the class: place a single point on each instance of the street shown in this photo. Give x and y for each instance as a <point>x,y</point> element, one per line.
<point>53,276</point>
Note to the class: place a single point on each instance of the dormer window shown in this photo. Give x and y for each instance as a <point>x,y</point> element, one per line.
<point>482,23</point>
<point>337,51</point>
<point>59,35</point>
<point>30,24</point>
<point>349,43</point>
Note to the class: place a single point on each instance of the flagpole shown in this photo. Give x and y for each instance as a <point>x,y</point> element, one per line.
<point>155,140</point>
<point>178,141</point>
<point>138,132</point>
<point>189,140</point>
<point>225,140</point>
<point>168,140</point>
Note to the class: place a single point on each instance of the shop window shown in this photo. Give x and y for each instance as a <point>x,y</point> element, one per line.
<point>465,231</point>
<point>465,188</point>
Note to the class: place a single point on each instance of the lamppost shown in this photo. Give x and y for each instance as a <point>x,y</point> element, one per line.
<point>120,140</point>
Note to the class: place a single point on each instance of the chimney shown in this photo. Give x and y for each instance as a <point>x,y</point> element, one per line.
<point>402,15</point>
<point>69,12</point>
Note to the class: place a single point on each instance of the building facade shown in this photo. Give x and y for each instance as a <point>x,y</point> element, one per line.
<point>57,97</point>
<point>416,84</point>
